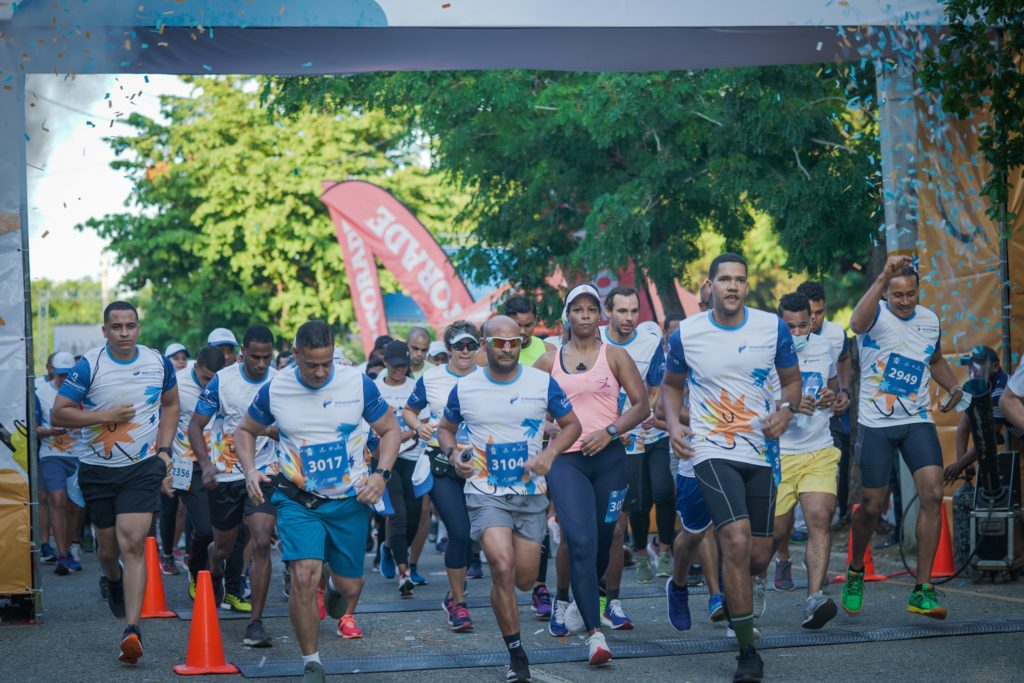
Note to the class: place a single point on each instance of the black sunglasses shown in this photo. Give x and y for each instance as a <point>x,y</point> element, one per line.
<point>466,346</point>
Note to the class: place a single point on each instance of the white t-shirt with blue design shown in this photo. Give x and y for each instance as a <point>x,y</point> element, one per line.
<point>431,396</point>
<point>645,348</point>
<point>807,433</point>
<point>728,370</point>
<point>100,381</point>
<point>396,398</point>
<point>226,399</point>
<point>323,429</point>
<point>63,445</point>
<point>188,396</point>
<point>506,427</point>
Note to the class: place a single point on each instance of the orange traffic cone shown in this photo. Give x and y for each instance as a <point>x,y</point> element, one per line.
<point>869,561</point>
<point>205,651</point>
<point>943,567</point>
<point>154,605</point>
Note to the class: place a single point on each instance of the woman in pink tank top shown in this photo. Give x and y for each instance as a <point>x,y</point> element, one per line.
<point>587,483</point>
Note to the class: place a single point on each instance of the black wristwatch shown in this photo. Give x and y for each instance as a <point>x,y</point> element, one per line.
<point>385,474</point>
<point>165,449</point>
<point>612,430</point>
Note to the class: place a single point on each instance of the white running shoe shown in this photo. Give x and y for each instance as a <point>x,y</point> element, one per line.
<point>760,596</point>
<point>598,650</point>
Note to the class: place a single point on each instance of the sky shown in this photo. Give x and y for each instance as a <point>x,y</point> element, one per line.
<point>69,174</point>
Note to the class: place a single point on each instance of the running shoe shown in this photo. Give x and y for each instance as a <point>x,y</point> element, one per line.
<point>347,628</point>
<point>442,545</point>
<point>387,563</point>
<point>696,576</point>
<point>415,576</point>
<point>218,590</point>
<point>130,650</point>
<point>614,617</point>
<point>475,570</point>
<point>168,567</point>
<point>88,543</point>
<point>749,666</point>
<point>321,606</point>
<point>405,585</point>
<point>458,618</point>
<point>798,536</point>
<point>115,597</point>
<point>236,603</point>
<point>447,603</point>
<point>678,606</point>
<point>730,632</point>
<point>852,597</point>
<point>334,601</point>
<point>541,602</point>
<point>597,649</point>
<point>313,672</point>
<point>819,609</point>
<point>62,568</point>
<point>783,575</point>
<point>664,564</point>
<point>924,601</point>
<point>191,587</point>
<point>47,554</point>
<point>104,587</point>
<point>716,607</point>
<point>644,573</point>
<point>245,588</point>
<point>76,552</point>
<point>556,624</point>
<point>573,619</point>
<point>73,563</point>
<point>518,670</point>
<point>760,596</point>
<point>256,636</point>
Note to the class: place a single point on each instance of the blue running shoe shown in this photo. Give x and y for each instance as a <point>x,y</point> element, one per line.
<point>72,563</point>
<point>716,607</point>
<point>415,576</point>
<point>614,617</point>
<point>387,563</point>
<point>556,624</point>
<point>678,606</point>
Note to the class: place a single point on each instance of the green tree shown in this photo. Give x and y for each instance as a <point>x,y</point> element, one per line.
<point>70,302</point>
<point>981,67</point>
<point>225,227</point>
<point>587,171</point>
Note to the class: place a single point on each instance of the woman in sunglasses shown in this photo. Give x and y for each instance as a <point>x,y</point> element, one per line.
<point>462,341</point>
<point>587,483</point>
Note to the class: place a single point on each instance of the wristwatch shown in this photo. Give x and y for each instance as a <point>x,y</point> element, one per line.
<point>385,474</point>
<point>164,449</point>
<point>612,430</point>
<point>792,408</point>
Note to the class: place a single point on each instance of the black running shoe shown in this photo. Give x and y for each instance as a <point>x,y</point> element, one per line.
<point>255,636</point>
<point>749,666</point>
<point>115,597</point>
<point>519,670</point>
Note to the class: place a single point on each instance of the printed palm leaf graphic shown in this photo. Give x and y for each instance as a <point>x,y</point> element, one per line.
<point>531,427</point>
<point>112,434</point>
<point>730,418</point>
<point>152,394</point>
<point>61,443</point>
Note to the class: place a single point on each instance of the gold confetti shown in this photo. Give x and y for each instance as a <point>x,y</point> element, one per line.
<point>856,266</point>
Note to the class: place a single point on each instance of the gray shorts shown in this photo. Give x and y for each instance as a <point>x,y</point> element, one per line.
<point>526,515</point>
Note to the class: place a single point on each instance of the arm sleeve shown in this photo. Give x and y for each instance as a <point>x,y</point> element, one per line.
<point>676,360</point>
<point>170,379</point>
<point>453,411</point>
<point>785,352</point>
<point>418,399</point>
<point>259,409</point>
<point>209,400</point>
<point>374,406</point>
<point>76,386</point>
<point>558,402</point>
<point>656,370</point>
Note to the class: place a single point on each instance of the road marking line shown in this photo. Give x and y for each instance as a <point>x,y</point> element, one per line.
<point>538,675</point>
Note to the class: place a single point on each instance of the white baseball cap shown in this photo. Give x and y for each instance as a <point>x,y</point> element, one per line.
<point>437,347</point>
<point>63,363</point>
<point>340,358</point>
<point>221,337</point>
<point>175,348</point>
<point>575,293</point>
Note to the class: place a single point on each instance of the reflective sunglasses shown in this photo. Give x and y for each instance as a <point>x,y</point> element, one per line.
<point>502,342</point>
<point>468,345</point>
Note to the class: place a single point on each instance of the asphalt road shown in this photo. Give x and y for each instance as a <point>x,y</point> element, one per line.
<point>77,638</point>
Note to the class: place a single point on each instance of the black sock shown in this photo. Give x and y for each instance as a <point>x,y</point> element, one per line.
<point>612,593</point>
<point>917,587</point>
<point>859,571</point>
<point>677,587</point>
<point>562,594</point>
<point>515,645</point>
<point>132,628</point>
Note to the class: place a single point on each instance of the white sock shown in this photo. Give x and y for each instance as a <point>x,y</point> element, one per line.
<point>315,657</point>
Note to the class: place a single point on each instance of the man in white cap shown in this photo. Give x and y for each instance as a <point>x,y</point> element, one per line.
<point>224,339</point>
<point>437,354</point>
<point>178,355</point>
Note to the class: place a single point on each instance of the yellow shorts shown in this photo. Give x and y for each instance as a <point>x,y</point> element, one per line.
<point>813,472</point>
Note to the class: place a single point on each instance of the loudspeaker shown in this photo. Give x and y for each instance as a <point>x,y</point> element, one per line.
<point>1008,495</point>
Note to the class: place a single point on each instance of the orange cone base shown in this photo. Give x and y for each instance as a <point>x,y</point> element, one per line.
<point>186,670</point>
<point>163,614</point>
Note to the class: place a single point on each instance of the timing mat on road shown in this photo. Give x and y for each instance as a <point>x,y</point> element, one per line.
<point>577,652</point>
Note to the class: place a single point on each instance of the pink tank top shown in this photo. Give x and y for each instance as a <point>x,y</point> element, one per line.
<point>594,394</point>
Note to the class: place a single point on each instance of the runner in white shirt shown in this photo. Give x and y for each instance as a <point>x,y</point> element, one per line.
<point>725,357</point>
<point>126,397</point>
<point>899,355</point>
<point>225,400</point>
<point>395,386</point>
<point>461,342</point>
<point>809,456</point>
<point>323,489</point>
<point>503,406</point>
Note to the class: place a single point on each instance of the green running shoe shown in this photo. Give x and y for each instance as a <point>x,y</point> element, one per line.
<point>664,564</point>
<point>924,602</point>
<point>644,574</point>
<point>852,598</point>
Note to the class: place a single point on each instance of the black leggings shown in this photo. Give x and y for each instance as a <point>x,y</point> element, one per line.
<point>408,508</point>
<point>651,483</point>
<point>450,502</point>
<point>580,488</point>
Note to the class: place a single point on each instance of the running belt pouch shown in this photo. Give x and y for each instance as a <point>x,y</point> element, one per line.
<point>290,489</point>
<point>439,465</point>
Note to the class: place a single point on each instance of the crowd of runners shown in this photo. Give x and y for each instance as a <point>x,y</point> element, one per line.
<point>492,440</point>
